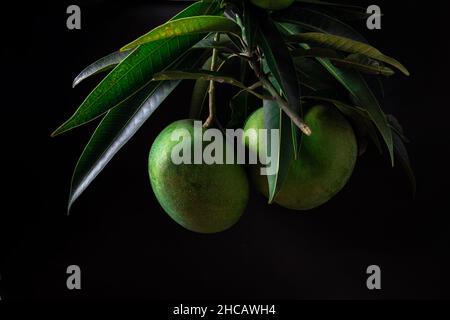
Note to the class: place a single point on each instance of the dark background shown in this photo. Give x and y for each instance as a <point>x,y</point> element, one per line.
<point>127,247</point>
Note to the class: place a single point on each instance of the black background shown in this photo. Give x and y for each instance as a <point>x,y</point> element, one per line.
<point>125,244</point>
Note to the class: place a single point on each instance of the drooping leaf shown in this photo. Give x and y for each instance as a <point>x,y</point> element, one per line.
<point>101,65</point>
<point>356,85</point>
<point>281,65</point>
<point>347,45</point>
<point>275,118</point>
<point>187,26</point>
<point>118,127</point>
<point>204,75</point>
<point>135,71</point>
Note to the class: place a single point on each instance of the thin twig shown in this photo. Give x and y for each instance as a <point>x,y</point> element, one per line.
<point>298,121</point>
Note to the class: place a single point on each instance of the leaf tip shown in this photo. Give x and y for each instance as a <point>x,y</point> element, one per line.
<point>57,132</point>
<point>392,156</point>
<point>127,47</point>
<point>403,69</point>
<point>75,82</point>
<point>405,72</point>
<point>54,134</point>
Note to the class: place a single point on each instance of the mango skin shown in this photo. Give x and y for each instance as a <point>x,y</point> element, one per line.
<point>201,198</point>
<point>273,4</point>
<point>325,163</point>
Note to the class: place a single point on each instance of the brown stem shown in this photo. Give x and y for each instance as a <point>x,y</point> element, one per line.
<point>298,121</point>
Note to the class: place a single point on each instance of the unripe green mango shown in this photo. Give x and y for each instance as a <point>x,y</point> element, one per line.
<point>201,198</point>
<point>325,162</point>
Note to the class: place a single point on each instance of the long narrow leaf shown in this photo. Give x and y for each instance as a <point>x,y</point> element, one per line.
<point>224,44</point>
<point>347,45</point>
<point>113,132</point>
<point>250,27</point>
<point>187,26</point>
<point>281,65</point>
<point>361,92</point>
<point>355,84</point>
<point>357,114</point>
<point>135,71</point>
<point>275,118</point>
<point>199,94</point>
<point>241,105</point>
<point>117,128</point>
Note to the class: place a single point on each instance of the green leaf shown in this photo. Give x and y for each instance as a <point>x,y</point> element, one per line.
<point>281,65</point>
<point>355,84</point>
<point>103,64</point>
<point>347,45</point>
<point>135,71</point>
<point>117,128</point>
<point>313,76</point>
<point>242,104</point>
<point>204,75</point>
<point>224,44</point>
<point>187,26</point>
<point>275,118</point>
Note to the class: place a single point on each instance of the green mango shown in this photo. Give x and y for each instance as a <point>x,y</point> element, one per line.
<point>200,197</point>
<point>325,162</point>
